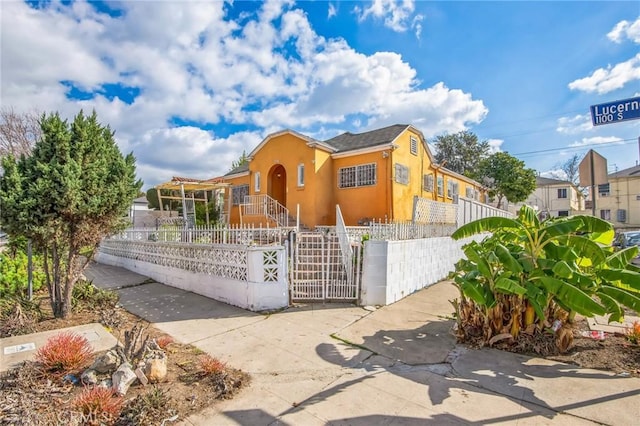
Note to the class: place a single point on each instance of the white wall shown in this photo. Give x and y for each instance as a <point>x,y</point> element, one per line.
<point>254,294</point>
<point>395,269</point>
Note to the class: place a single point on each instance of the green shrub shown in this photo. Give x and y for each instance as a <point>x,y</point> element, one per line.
<point>13,273</point>
<point>87,296</point>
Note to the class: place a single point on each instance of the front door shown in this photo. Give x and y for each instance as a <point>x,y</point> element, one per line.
<point>278,184</point>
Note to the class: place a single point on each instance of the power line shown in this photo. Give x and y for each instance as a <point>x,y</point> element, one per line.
<point>578,147</point>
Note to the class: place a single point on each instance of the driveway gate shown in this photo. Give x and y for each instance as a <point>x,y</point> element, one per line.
<point>321,270</point>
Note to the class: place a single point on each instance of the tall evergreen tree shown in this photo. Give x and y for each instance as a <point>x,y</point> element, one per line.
<point>75,189</point>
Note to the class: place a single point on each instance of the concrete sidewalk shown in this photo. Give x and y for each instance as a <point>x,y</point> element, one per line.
<point>341,364</point>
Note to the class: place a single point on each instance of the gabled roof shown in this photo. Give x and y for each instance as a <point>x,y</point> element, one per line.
<point>353,141</point>
<point>630,172</point>
<point>309,140</point>
<point>543,181</point>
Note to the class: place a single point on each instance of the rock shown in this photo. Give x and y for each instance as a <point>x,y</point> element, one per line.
<point>106,362</point>
<point>156,368</point>
<point>123,378</point>
<point>106,383</point>
<point>140,374</point>
<point>89,377</point>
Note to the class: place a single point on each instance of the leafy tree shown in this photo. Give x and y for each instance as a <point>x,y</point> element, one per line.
<point>506,177</point>
<point>529,273</point>
<point>73,190</point>
<point>460,152</point>
<point>240,161</point>
<point>18,132</point>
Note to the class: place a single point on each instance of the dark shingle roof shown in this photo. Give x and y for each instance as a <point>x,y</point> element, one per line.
<point>352,141</point>
<point>240,169</point>
<point>630,172</point>
<point>543,181</point>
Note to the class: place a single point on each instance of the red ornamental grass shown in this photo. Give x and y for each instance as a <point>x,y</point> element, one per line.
<point>98,405</point>
<point>210,365</point>
<point>164,341</point>
<point>65,352</point>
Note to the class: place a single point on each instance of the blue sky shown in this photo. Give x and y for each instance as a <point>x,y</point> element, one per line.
<point>188,86</point>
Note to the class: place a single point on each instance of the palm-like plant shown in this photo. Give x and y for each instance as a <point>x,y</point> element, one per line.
<point>528,273</point>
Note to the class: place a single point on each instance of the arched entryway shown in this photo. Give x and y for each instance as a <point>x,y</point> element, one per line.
<point>277,187</point>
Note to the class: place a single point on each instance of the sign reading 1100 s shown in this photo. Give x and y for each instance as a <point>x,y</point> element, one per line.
<point>613,112</point>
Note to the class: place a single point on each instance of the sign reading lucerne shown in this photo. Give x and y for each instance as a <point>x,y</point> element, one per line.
<point>613,112</point>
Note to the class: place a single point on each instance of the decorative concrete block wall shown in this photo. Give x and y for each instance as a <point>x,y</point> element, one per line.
<point>393,270</point>
<point>253,278</point>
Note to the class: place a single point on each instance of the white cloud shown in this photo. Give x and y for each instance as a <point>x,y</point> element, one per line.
<point>397,14</point>
<point>597,140</point>
<point>625,29</point>
<point>606,80</point>
<point>332,11</point>
<point>558,174</point>
<point>572,125</point>
<point>267,70</point>
<point>495,145</point>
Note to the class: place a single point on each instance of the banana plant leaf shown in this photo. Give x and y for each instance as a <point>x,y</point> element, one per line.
<point>509,286</point>
<point>509,262</point>
<point>481,263</point>
<point>586,248</point>
<point>572,297</point>
<point>562,269</point>
<point>628,280</point>
<point>564,227</point>
<point>623,297</point>
<point>536,298</point>
<point>476,291</point>
<point>595,224</point>
<point>612,306</point>
<point>487,224</point>
<point>622,258</point>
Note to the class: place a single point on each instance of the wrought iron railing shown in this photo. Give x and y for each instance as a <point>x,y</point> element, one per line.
<point>264,205</point>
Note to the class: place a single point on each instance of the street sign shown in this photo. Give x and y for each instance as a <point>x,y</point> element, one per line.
<point>614,112</point>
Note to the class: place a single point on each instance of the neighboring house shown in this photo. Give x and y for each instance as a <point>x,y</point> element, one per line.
<point>556,198</point>
<point>370,175</point>
<point>619,200</point>
<point>140,214</point>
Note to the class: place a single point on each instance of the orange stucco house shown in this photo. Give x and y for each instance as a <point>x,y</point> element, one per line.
<point>371,175</point>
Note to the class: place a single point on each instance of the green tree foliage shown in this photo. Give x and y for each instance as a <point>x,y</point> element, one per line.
<point>13,273</point>
<point>460,152</point>
<point>506,177</point>
<point>240,161</point>
<point>73,190</point>
<point>529,273</point>
<point>201,215</point>
<point>153,202</point>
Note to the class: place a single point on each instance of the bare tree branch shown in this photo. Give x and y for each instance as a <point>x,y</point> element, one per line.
<point>18,132</point>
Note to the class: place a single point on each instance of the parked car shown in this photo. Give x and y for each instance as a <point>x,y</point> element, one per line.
<point>628,239</point>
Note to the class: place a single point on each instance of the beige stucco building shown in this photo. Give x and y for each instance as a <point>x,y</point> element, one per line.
<point>619,200</point>
<point>554,198</point>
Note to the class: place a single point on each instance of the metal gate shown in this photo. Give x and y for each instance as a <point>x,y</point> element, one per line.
<point>320,271</point>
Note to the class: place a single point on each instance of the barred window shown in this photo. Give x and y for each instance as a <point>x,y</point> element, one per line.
<point>440,186</point>
<point>351,177</point>
<point>238,193</point>
<point>427,182</point>
<point>402,174</point>
<point>414,145</point>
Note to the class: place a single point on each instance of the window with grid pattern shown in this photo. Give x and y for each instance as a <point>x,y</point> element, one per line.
<point>440,186</point>
<point>238,193</point>
<point>562,192</point>
<point>402,174</point>
<point>427,182</point>
<point>352,177</point>
<point>452,189</point>
<point>414,145</point>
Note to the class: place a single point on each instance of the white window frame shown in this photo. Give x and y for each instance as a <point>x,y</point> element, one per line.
<point>413,145</point>
<point>356,176</point>
<point>605,214</point>
<point>440,186</point>
<point>256,182</point>
<point>300,175</point>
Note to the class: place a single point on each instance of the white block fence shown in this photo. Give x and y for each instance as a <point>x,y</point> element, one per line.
<point>250,277</point>
<point>393,270</point>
